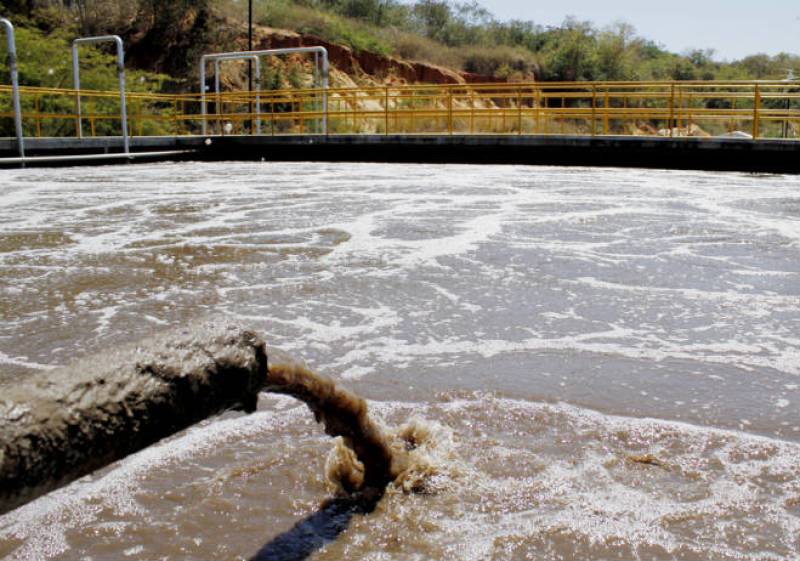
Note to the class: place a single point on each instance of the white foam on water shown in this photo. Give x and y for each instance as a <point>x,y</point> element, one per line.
<point>44,522</point>
<point>753,304</point>
<point>106,315</point>
<point>572,481</point>
<point>616,341</point>
<point>745,459</point>
<point>550,478</point>
<point>22,361</point>
<point>364,269</point>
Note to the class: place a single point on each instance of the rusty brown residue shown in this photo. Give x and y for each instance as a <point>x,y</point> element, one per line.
<point>647,460</point>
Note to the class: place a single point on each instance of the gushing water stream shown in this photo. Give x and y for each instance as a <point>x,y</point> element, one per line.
<point>343,414</point>
<point>365,460</point>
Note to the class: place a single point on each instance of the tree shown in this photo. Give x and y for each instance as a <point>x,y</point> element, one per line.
<point>615,53</point>
<point>432,16</point>
<point>572,55</point>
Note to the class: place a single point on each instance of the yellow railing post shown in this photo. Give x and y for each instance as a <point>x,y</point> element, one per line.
<point>134,117</point>
<point>78,130</point>
<point>605,113</point>
<point>300,112</point>
<point>395,112</point>
<point>90,107</point>
<point>354,105</point>
<point>471,111</point>
<point>546,113</point>
<point>38,109</point>
<point>625,115</point>
<point>219,116</point>
<point>594,109</point>
<point>175,116</point>
<point>450,110</point>
<point>386,111</point>
<point>756,116</point>
<point>538,114</point>
<point>787,105</point>
<point>672,112</point>
<point>413,104</point>
<point>139,123</point>
<point>519,110</point>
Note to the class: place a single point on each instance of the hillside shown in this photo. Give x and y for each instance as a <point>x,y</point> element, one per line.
<point>370,42</point>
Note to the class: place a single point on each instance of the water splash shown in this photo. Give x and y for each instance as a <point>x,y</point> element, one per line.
<point>371,461</point>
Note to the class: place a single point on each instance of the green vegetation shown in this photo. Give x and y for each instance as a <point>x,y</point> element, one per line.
<point>307,19</point>
<point>167,36</point>
<point>47,63</point>
<point>467,36</point>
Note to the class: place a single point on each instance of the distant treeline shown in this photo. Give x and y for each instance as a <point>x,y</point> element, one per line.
<point>466,35</point>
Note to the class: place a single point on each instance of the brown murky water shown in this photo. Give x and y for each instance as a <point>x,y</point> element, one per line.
<point>598,364</point>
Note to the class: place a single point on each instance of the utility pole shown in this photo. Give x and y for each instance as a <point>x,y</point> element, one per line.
<point>250,62</point>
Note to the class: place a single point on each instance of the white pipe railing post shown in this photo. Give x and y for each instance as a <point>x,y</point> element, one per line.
<point>76,85</point>
<point>222,58</point>
<point>322,52</point>
<point>325,72</point>
<point>217,99</point>
<point>258,95</point>
<point>12,67</point>
<point>316,82</point>
<point>120,77</point>
<point>203,94</point>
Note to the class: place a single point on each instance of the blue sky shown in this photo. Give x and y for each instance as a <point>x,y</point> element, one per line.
<point>733,28</point>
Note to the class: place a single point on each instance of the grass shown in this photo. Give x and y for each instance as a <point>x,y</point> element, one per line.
<point>331,27</point>
<point>502,61</point>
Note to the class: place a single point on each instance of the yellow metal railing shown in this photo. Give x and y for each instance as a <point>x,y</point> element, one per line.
<point>762,110</point>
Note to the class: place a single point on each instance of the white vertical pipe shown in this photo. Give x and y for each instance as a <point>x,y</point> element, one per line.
<point>217,98</point>
<point>217,87</point>
<point>126,140</point>
<point>203,110</point>
<point>12,67</point>
<point>120,77</point>
<point>320,51</point>
<point>325,72</point>
<point>317,102</point>
<point>76,85</point>
<point>258,95</point>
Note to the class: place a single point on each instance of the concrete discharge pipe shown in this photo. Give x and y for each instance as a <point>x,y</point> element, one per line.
<point>59,425</point>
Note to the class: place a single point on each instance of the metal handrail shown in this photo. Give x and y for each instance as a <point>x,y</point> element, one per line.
<point>117,40</point>
<point>586,108</point>
<point>12,66</point>
<point>253,58</point>
<point>317,51</point>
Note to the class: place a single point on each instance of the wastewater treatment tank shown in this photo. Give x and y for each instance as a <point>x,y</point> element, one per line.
<point>590,363</point>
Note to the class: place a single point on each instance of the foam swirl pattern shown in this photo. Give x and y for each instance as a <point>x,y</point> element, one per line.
<point>611,357</point>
